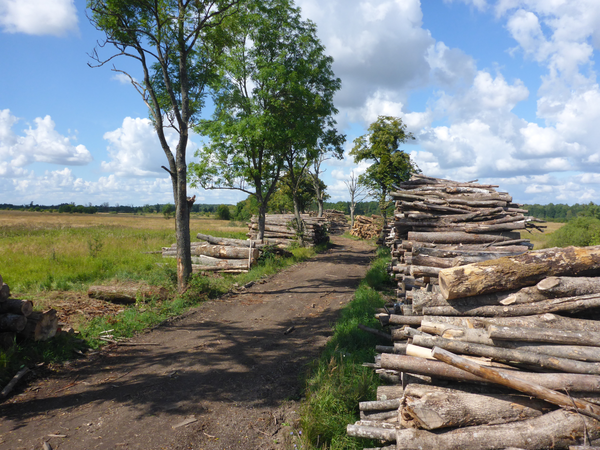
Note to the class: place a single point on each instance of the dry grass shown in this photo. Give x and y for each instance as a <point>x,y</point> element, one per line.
<point>540,240</point>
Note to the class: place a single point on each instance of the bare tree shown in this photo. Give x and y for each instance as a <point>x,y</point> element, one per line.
<point>358,193</point>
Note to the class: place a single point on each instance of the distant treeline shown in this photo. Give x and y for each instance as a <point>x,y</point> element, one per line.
<point>562,213</point>
<point>104,208</point>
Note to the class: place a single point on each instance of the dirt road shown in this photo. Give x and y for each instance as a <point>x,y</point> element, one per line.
<point>223,376</point>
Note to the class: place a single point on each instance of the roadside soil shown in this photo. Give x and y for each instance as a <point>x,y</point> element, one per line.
<point>226,375</point>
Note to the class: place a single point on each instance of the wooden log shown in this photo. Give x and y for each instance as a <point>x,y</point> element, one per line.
<point>13,382</point>
<point>568,286</point>
<point>589,338</point>
<point>127,294</point>
<point>422,271</point>
<point>15,306</point>
<point>438,369</point>
<point>396,319</point>
<point>227,241</point>
<point>570,304</point>
<point>433,407</point>
<point>12,322</point>
<point>576,352</point>
<point>197,268</point>
<point>518,383</point>
<point>41,326</point>
<point>226,252</point>
<point>458,237</point>
<point>4,292</point>
<point>371,432</point>
<point>556,430</point>
<point>422,299</point>
<point>512,272</point>
<point>217,262</point>
<point>508,355</point>
<point>380,405</point>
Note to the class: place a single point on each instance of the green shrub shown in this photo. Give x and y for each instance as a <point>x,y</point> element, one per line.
<point>580,232</point>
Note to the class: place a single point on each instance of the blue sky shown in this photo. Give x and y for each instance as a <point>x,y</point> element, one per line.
<point>501,91</point>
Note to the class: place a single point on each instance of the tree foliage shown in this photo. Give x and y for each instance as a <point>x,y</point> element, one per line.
<point>273,103</point>
<point>390,165</point>
<point>177,44</point>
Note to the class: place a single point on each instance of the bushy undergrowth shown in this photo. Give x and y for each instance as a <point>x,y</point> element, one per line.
<point>581,232</point>
<point>338,381</point>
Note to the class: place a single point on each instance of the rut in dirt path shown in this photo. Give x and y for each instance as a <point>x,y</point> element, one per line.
<point>226,367</point>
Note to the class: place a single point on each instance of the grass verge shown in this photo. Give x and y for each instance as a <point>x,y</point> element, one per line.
<point>338,381</point>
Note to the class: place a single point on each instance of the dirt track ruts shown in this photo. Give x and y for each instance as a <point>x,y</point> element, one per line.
<point>227,365</point>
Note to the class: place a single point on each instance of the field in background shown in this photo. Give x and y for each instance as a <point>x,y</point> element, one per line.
<point>540,240</point>
<point>52,251</point>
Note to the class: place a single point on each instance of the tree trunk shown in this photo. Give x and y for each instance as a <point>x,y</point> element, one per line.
<point>568,286</point>
<point>438,369</point>
<point>300,226</point>
<point>218,262</point>
<point>556,430</point>
<point>182,220</point>
<point>262,212</point>
<point>226,252</point>
<point>545,335</point>
<point>432,407</point>
<point>515,381</point>
<point>517,271</point>
<point>457,237</point>
<point>228,242</point>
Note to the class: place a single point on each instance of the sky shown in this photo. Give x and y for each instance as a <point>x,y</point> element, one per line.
<point>504,92</point>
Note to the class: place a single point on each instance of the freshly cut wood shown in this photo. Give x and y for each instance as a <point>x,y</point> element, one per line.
<point>556,430</point>
<point>458,237</point>
<point>15,306</point>
<point>127,294</point>
<point>508,355</point>
<point>460,333</point>
<point>512,272</point>
<point>433,407</point>
<point>12,322</point>
<point>4,292</point>
<point>568,286</point>
<point>545,335</point>
<point>570,304</point>
<point>438,369</point>
<point>518,383</point>
<point>226,241</point>
<point>41,326</point>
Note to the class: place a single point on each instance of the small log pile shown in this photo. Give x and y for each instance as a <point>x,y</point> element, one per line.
<point>280,229</point>
<point>367,227</point>
<point>17,318</point>
<point>337,221</point>
<point>441,223</point>
<point>212,254</point>
<point>492,357</point>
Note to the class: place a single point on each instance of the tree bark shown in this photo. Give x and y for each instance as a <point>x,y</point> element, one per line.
<point>458,237</point>
<point>517,271</point>
<point>229,242</point>
<point>226,252</point>
<point>568,286</point>
<point>438,369</point>
<point>564,337</point>
<point>514,381</point>
<point>218,262</point>
<point>432,407</point>
<point>557,430</point>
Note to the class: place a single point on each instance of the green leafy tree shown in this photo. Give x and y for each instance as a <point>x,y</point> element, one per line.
<point>223,212</point>
<point>168,210</point>
<point>177,45</point>
<point>273,104</point>
<point>390,165</point>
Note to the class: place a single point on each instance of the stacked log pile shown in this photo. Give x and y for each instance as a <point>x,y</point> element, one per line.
<point>17,318</point>
<point>337,221</point>
<point>441,223</point>
<point>494,358</point>
<point>280,229</point>
<point>367,227</point>
<point>223,255</point>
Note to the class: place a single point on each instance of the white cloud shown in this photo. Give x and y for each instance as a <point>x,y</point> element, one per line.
<point>135,150</point>
<point>41,143</point>
<point>38,17</point>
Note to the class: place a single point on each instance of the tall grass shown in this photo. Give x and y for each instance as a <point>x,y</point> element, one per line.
<point>338,381</point>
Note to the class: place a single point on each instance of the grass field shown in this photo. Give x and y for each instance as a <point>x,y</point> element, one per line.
<point>540,240</point>
<point>52,251</point>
